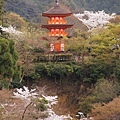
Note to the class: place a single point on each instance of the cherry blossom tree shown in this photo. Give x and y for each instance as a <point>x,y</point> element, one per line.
<point>94,19</point>
<point>28,96</point>
<point>10,30</point>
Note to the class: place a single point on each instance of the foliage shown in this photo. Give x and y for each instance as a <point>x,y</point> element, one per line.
<point>100,47</point>
<point>22,8</point>
<point>1,6</point>
<point>8,58</point>
<point>108,111</point>
<point>100,54</point>
<point>117,70</point>
<point>99,69</point>
<point>33,8</point>
<point>87,72</point>
<point>4,84</point>
<point>16,83</point>
<point>85,107</point>
<point>18,73</point>
<point>41,104</point>
<point>106,91</point>
<point>40,69</point>
<point>14,20</point>
<point>8,63</point>
<point>56,71</point>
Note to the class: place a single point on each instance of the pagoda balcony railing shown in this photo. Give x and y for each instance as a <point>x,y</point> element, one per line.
<point>57,20</point>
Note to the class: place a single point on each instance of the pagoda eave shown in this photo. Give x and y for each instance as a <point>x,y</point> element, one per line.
<point>51,26</point>
<point>58,15</point>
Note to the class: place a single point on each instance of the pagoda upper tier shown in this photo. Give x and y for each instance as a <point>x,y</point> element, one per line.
<point>57,23</point>
<point>56,11</point>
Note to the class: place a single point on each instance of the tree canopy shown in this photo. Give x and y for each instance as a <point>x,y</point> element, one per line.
<point>31,9</point>
<point>8,58</point>
<point>1,6</point>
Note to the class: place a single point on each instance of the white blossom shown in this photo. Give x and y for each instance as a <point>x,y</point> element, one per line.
<point>10,30</point>
<point>52,116</point>
<point>94,19</point>
<point>25,93</point>
<point>82,117</point>
<point>52,99</point>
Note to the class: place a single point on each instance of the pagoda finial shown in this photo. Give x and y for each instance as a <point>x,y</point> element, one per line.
<point>57,3</point>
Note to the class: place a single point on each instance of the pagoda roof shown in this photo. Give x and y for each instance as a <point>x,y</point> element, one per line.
<point>56,11</point>
<point>56,26</point>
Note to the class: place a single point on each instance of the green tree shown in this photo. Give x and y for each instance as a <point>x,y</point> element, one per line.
<point>8,58</point>
<point>106,91</point>
<point>1,6</point>
<point>2,11</point>
<point>117,70</point>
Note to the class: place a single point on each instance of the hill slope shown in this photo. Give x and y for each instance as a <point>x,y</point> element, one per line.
<point>32,9</point>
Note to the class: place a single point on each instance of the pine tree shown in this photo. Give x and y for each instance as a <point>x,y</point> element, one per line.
<point>1,6</point>
<point>8,58</point>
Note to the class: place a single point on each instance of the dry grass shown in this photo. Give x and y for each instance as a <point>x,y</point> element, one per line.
<point>110,111</point>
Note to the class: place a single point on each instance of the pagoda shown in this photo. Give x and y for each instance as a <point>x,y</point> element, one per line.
<point>57,23</point>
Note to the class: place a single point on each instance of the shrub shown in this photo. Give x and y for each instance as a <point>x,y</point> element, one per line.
<point>15,84</point>
<point>106,91</point>
<point>41,104</point>
<point>110,111</point>
<point>4,84</point>
<point>85,107</point>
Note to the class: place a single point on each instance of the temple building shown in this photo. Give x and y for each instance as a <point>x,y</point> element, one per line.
<point>57,23</point>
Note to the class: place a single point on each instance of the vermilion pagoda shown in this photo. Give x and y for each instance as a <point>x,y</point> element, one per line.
<point>57,23</point>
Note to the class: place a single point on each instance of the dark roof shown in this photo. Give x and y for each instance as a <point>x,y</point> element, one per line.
<point>55,26</point>
<point>56,10</point>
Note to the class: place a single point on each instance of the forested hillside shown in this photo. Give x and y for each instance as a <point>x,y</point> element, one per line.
<point>85,77</point>
<point>32,9</point>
